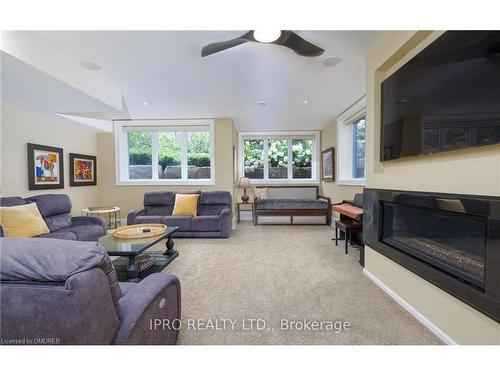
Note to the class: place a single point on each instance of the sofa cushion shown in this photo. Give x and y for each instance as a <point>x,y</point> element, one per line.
<point>12,201</point>
<point>147,219</point>
<point>261,193</point>
<point>159,210</point>
<point>215,197</point>
<point>59,235</point>
<point>213,202</point>
<point>41,259</point>
<point>58,222</point>
<point>159,198</point>
<point>87,232</point>
<point>183,222</point>
<point>55,209</point>
<point>211,209</point>
<point>22,221</point>
<point>290,204</point>
<point>159,203</point>
<point>52,204</point>
<point>51,260</point>
<point>211,223</point>
<point>186,205</point>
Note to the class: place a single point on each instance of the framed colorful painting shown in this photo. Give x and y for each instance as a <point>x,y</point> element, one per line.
<point>45,167</point>
<point>328,165</point>
<point>82,170</point>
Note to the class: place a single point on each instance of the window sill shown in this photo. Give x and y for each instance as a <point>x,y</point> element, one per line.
<point>284,182</point>
<point>165,182</point>
<point>353,182</point>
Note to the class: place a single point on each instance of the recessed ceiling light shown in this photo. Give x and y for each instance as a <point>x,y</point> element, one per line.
<point>266,36</point>
<point>145,104</point>
<point>306,101</point>
<point>262,104</point>
<point>90,65</point>
<point>331,61</point>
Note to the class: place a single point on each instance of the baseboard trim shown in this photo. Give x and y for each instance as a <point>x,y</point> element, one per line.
<point>416,314</point>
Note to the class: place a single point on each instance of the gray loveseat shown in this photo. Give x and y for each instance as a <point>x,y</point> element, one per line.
<point>56,211</point>
<point>66,292</point>
<point>214,217</point>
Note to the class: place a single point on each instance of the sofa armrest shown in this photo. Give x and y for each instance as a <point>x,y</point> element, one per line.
<point>90,220</point>
<point>150,311</point>
<point>133,214</point>
<point>226,222</point>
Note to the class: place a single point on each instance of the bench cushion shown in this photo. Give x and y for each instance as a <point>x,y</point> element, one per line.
<point>291,204</point>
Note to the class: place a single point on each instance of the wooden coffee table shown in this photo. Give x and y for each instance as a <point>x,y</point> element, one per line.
<point>129,249</point>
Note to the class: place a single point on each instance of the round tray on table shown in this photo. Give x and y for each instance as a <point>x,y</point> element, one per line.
<point>139,231</point>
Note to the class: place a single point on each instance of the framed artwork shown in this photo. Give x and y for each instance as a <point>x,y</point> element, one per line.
<point>82,170</point>
<point>45,167</point>
<point>328,164</point>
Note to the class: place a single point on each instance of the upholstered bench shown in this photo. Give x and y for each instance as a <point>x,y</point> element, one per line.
<point>292,201</point>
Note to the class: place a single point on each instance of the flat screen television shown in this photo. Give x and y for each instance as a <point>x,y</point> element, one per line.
<point>445,98</point>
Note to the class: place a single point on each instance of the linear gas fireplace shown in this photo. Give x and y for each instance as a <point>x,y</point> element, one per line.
<point>451,240</point>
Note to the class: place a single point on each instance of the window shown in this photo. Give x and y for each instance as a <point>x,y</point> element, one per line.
<point>164,152</point>
<point>358,148</point>
<point>169,155</point>
<point>254,158</point>
<point>140,155</point>
<point>279,157</point>
<point>351,134</point>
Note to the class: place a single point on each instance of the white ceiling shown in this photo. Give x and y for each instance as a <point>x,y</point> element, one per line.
<point>165,69</point>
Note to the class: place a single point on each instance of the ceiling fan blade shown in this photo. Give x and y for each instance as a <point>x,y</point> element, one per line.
<point>212,48</point>
<point>299,45</point>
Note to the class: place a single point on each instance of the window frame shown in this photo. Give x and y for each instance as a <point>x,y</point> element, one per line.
<point>345,143</point>
<point>288,135</point>
<point>122,127</point>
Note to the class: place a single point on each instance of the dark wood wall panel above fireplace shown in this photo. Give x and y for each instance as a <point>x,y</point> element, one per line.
<point>451,240</point>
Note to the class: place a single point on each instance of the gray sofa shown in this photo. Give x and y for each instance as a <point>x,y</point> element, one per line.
<point>56,211</point>
<point>214,218</point>
<point>66,292</point>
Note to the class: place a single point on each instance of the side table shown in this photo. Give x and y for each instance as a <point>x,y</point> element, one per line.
<point>239,204</point>
<point>110,214</point>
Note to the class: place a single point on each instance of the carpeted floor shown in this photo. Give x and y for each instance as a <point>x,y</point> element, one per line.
<point>284,272</point>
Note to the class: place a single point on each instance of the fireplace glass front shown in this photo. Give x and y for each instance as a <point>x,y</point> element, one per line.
<point>451,241</point>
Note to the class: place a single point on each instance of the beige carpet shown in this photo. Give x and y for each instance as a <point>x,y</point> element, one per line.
<point>284,272</point>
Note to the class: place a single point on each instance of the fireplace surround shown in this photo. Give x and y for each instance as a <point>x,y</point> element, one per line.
<point>450,240</point>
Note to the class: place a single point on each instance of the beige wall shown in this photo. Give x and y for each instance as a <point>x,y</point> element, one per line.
<point>336,192</point>
<point>131,197</point>
<point>473,171</point>
<point>21,126</point>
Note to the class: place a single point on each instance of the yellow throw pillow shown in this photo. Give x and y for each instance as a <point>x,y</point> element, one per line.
<point>22,221</point>
<point>185,204</point>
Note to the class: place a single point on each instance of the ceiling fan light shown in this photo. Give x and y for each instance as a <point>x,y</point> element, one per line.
<point>266,36</point>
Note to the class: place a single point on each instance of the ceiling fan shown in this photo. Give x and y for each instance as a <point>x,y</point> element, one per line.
<point>284,38</point>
